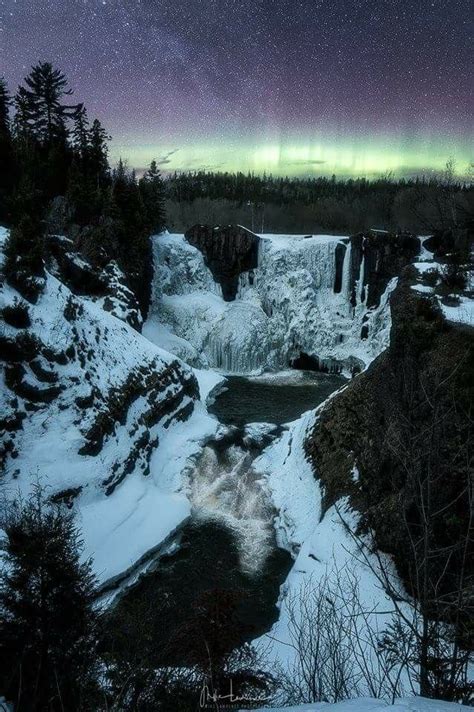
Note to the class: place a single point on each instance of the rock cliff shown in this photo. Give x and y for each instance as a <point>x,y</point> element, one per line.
<point>406,420</point>
<point>228,251</point>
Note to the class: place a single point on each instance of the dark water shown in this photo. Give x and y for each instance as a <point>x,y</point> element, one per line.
<point>277,399</point>
<point>205,587</point>
<point>187,588</point>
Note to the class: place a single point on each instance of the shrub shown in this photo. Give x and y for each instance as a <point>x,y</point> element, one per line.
<point>17,314</point>
<point>453,277</point>
<point>24,268</point>
<point>430,277</point>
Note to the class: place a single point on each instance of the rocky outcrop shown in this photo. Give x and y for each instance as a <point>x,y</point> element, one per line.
<point>228,251</point>
<point>408,416</point>
<point>94,411</point>
<point>83,278</point>
<point>377,257</point>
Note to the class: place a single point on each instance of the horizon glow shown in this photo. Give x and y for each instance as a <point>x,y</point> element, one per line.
<point>290,87</point>
<point>341,158</point>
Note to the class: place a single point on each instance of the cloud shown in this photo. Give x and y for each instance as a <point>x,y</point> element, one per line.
<point>162,160</point>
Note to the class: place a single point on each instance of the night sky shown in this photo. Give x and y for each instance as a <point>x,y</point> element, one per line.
<point>352,87</point>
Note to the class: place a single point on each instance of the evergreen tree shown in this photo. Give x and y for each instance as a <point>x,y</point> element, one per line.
<point>41,129</point>
<point>80,132</point>
<point>84,200</point>
<point>23,122</point>
<point>5,103</point>
<point>47,622</point>
<point>7,168</point>
<point>23,266</point>
<point>132,232</point>
<point>127,197</point>
<point>99,165</point>
<point>152,190</point>
<point>46,87</point>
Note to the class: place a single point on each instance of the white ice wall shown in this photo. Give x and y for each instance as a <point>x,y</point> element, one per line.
<point>285,306</point>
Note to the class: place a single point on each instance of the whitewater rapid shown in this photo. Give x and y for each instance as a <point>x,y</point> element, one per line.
<point>225,488</point>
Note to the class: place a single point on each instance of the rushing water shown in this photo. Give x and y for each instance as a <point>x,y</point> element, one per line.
<point>226,490</point>
<point>229,542</point>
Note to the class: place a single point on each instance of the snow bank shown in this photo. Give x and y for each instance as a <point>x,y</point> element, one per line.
<point>320,543</point>
<point>462,313</point>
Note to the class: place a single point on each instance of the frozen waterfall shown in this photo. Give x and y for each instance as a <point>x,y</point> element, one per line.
<point>288,305</point>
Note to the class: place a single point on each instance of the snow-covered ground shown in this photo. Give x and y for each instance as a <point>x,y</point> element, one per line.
<point>322,547</point>
<point>286,306</point>
<point>460,313</point>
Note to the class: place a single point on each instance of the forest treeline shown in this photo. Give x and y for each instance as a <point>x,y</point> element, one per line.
<point>294,205</point>
<point>55,177</point>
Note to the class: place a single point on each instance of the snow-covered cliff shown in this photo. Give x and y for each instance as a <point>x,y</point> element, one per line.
<point>303,298</point>
<point>101,417</point>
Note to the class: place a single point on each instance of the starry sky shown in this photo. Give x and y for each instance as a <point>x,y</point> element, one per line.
<point>297,87</point>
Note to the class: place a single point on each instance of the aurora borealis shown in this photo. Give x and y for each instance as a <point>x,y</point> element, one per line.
<point>351,87</point>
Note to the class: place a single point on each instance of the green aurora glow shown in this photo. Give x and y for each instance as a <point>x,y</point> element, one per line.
<point>369,157</point>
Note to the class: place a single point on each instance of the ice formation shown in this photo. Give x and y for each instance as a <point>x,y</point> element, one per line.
<point>290,304</point>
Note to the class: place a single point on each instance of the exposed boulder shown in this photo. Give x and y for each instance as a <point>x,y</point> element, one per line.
<point>228,251</point>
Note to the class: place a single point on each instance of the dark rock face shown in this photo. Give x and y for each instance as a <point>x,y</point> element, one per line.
<point>84,278</point>
<point>385,255</point>
<point>406,416</point>
<point>308,362</point>
<point>340,254</point>
<point>228,251</point>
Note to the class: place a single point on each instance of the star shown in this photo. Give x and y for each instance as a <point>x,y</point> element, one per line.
<point>227,81</point>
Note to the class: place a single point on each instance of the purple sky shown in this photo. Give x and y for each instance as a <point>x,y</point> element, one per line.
<point>197,76</point>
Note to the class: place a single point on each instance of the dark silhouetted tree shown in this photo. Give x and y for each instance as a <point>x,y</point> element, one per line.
<point>80,132</point>
<point>47,622</point>
<point>99,165</point>
<point>7,165</point>
<point>46,87</point>
<point>152,190</point>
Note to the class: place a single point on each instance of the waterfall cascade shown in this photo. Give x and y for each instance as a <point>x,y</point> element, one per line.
<point>302,298</point>
<point>225,488</point>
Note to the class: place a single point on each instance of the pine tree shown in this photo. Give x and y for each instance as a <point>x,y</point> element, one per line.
<point>7,167</point>
<point>99,165</point>
<point>131,227</point>
<point>152,190</point>
<point>41,130</point>
<point>23,122</point>
<point>47,623</point>
<point>24,266</point>
<point>80,132</point>
<point>5,103</point>
<point>46,87</point>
